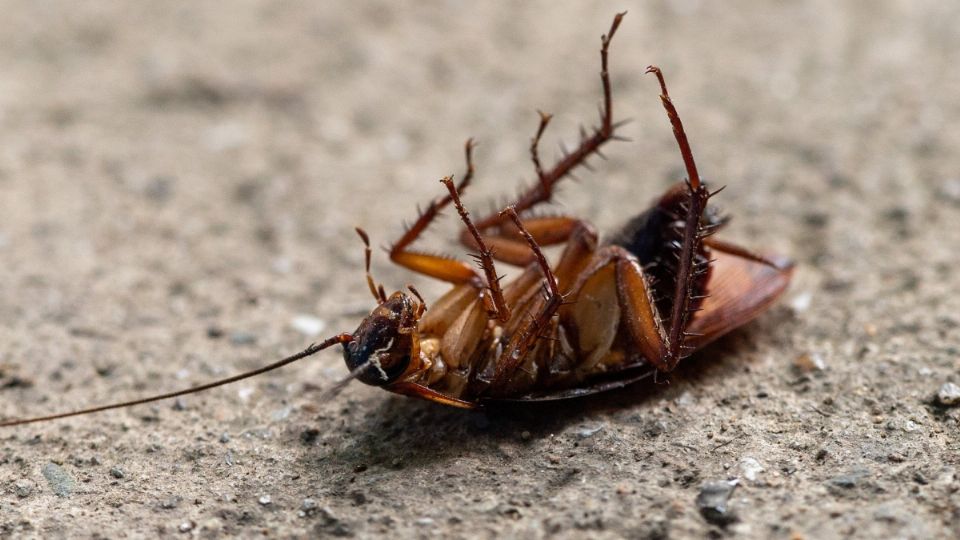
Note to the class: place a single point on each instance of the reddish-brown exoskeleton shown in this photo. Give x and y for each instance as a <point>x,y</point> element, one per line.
<point>605,315</point>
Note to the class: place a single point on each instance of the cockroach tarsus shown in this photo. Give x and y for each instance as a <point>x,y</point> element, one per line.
<point>604,316</point>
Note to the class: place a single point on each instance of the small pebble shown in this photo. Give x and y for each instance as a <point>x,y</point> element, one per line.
<point>801,302</point>
<point>851,479</point>
<point>949,394</point>
<point>24,488</point>
<point>308,325</point>
<point>809,363</point>
<point>308,506</point>
<point>265,500</point>
<point>186,526</point>
<point>179,404</point>
<point>281,414</point>
<point>359,498</point>
<point>282,265</point>
<point>655,428</point>
<point>224,437</point>
<point>159,188</point>
<point>750,468</point>
<point>588,432</point>
<point>116,472</point>
<point>712,502</point>
<point>425,522</point>
<point>60,480</point>
<point>309,436</point>
<point>214,332</point>
<point>525,435</point>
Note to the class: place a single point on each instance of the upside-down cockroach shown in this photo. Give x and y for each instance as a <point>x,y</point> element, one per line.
<point>605,315</point>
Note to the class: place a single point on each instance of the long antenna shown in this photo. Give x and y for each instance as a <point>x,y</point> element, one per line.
<point>309,351</point>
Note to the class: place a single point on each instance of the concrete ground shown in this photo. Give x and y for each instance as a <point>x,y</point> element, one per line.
<point>179,183</point>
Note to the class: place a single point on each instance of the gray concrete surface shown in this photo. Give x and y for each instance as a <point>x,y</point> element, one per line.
<point>179,182</point>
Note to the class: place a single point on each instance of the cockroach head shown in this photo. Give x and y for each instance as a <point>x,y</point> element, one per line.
<point>381,347</point>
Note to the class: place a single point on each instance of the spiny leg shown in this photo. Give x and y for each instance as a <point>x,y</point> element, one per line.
<point>439,267</point>
<point>507,243</point>
<point>691,237</point>
<point>522,342</point>
<point>543,190</point>
<point>499,310</point>
<point>552,286</point>
<point>433,209</point>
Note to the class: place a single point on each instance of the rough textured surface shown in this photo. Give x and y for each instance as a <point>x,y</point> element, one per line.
<point>178,187</point>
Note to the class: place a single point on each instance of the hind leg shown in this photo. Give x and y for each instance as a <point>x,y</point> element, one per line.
<point>544,188</point>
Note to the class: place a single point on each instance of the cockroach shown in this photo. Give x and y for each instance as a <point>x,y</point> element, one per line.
<point>607,314</point>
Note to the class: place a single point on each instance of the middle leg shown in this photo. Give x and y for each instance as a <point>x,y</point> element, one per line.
<point>522,342</point>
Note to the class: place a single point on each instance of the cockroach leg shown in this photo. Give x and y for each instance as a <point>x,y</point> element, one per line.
<point>377,291</point>
<point>534,149</point>
<point>511,212</point>
<point>692,175</point>
<point>691,237</point>
<point>436,266</point>
<point>545,186</point>
<point>500,310</point>
<point>740,251</point>
<point>521,343</point>
<point>576,255</point>
<point>508,245</point>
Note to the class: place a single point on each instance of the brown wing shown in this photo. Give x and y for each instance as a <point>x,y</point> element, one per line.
<point>739,290</point>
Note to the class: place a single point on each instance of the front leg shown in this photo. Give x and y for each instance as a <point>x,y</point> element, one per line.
<point>436,266</point>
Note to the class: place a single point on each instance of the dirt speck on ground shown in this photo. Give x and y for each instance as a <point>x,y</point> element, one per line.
<point>179,184</point>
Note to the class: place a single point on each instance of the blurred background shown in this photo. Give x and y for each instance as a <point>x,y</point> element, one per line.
<point>179,183</point>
